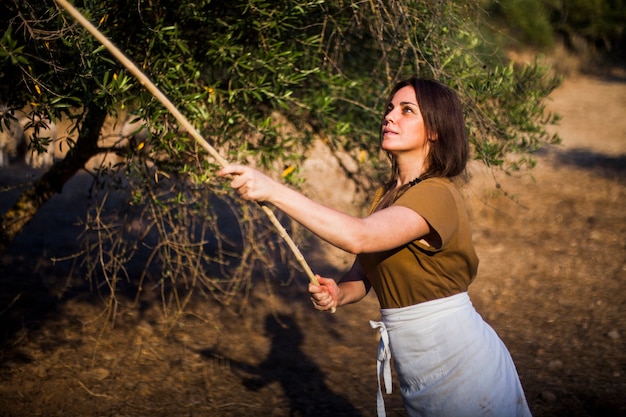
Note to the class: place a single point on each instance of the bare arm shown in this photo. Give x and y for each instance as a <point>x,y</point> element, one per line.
<point>383,230</point>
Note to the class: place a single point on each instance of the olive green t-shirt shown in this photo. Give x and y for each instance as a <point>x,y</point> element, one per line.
<point>417,272</point>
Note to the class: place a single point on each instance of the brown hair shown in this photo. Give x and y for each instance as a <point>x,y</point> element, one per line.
<point>443,120</point>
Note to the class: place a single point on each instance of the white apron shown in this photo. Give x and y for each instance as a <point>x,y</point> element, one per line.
<point>449,361</point>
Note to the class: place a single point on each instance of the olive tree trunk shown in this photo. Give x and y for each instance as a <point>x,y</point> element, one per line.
<point>17,217</point>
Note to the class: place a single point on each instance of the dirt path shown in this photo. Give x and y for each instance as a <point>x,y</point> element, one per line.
<point>551,282</point>
<point>594,115</point>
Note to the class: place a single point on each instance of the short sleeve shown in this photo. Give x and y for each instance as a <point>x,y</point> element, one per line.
<point>433,200</point>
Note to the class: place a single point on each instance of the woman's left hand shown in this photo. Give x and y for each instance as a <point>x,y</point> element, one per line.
<point>326,295</point>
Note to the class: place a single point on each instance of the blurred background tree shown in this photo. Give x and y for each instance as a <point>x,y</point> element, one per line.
<point>593,29</point>
<point>261,81</point>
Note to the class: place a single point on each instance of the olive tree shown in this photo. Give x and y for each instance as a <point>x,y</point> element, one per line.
<point>240,71</point>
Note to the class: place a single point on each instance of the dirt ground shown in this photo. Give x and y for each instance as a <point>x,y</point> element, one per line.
<point>551,282</point>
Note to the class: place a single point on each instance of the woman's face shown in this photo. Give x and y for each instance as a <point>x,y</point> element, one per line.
<point>403,130</point>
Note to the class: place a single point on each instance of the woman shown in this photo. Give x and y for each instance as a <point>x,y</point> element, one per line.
<point>415,250</point>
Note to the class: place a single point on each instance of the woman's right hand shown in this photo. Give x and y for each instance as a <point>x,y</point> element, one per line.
<point>250,183</point>
<point>326,295</point>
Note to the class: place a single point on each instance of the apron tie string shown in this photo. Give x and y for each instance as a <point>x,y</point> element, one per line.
<point>383,365</point>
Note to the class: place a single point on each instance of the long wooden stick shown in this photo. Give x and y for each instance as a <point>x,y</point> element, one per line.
<point>149,85</point>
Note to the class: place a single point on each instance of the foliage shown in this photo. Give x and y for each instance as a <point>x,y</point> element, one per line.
<point>602,23</point>
<point>527,21</point>
<point>260,80</point>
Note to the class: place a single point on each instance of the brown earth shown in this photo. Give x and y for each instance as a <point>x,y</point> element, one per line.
<point>551,282</point>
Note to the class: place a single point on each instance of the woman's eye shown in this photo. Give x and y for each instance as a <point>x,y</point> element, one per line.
<point>407,110</point>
